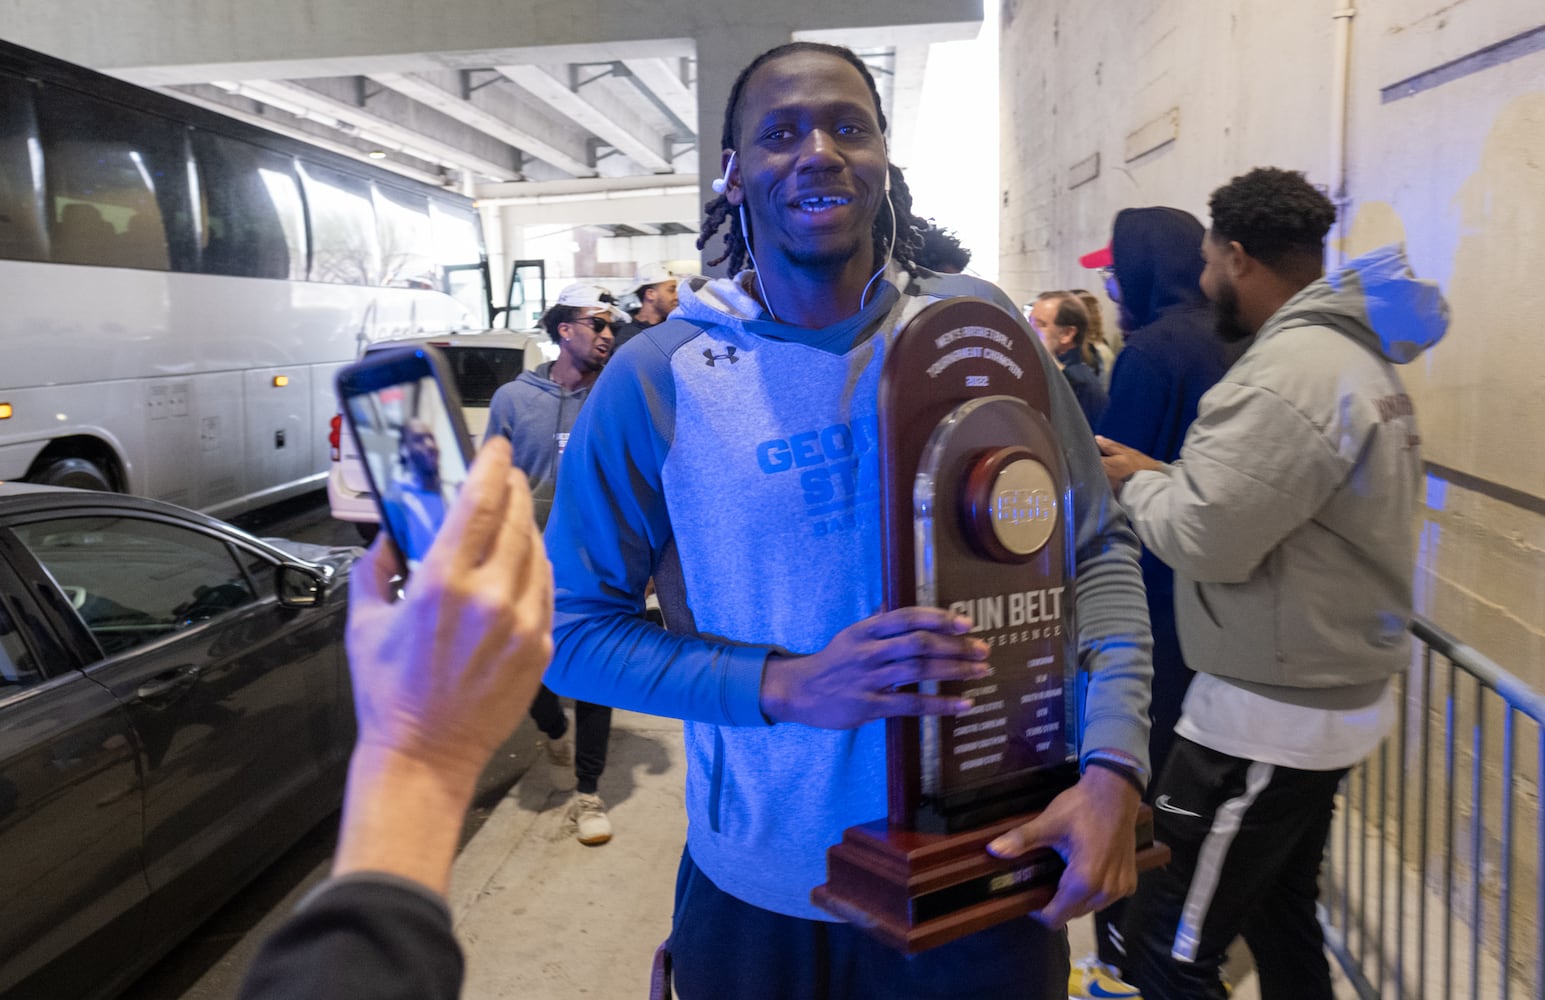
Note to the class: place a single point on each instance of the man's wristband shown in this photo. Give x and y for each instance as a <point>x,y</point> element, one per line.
<point>1117,764</point>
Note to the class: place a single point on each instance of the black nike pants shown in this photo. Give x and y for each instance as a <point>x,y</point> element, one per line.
<point>592,732</point>
<point>1171,681</point>
<point>1247,841</point>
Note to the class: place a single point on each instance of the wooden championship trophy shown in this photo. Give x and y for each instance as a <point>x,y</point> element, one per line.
<point>976,504</point>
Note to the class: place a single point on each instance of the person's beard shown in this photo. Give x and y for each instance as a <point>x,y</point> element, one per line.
<point>1230,327</point>
<point>829,259</point>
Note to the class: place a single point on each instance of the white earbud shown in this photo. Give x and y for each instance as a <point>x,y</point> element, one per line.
<point>721,183</point>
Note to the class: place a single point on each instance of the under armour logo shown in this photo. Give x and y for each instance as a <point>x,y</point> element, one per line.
<point>728,355</point>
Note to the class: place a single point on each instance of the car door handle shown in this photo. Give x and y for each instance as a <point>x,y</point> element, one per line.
<point>165,687</point>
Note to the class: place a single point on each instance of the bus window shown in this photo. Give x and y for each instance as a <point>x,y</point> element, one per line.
<point>344,246</point>
<point>403,222</point>
<point>117,184</point>
<point>458,248</point>
<point>21,170</point>
<point>254,221</point>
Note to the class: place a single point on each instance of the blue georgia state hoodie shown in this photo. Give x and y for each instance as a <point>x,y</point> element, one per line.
<point>733,459</point>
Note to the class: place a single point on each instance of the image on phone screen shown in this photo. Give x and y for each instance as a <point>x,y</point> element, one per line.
<point>409,446</point>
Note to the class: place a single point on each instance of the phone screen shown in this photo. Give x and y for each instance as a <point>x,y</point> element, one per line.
<point>408,441</point>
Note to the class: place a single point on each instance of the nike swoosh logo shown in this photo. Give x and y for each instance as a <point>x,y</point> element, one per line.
<point>1096,990</point>
<point>1162,802</point>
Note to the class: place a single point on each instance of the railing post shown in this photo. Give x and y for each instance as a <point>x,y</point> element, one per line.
<point>1506,895</point>
<point>1426,811</point>
<point>1477,837</point>
<point>1419,719</point>
<point>1403,718</point>
<point>1448,835</point>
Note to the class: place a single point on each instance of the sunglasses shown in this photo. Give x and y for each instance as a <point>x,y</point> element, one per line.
<point>597,323</point>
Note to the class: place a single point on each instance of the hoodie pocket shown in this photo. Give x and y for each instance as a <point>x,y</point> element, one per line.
<point>1201,601</point>
<point>1229,629</point>
<point>1197,623</point>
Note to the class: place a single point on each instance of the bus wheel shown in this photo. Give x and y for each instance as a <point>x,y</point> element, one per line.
<point>81,473</point>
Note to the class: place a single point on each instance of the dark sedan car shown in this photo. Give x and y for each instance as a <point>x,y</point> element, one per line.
<point>174,713</point>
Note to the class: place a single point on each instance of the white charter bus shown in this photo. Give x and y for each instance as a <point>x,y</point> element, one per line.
<point>177,288</point>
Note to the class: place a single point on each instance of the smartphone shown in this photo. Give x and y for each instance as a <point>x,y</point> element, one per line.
<point>405,414</point>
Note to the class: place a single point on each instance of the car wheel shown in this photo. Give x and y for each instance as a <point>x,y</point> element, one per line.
<point>367,530</point>
<point>80,473</point>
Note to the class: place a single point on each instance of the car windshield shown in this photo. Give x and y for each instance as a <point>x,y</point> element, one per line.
<point>480,371</point>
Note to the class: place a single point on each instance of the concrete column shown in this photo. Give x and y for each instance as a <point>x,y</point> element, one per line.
<point>723,50</point>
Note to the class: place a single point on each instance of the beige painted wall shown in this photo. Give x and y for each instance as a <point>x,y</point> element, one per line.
<point>1177,96</point>
<point>1457,171</point>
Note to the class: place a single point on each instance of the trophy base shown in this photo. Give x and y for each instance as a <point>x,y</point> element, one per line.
<point>915,891</point>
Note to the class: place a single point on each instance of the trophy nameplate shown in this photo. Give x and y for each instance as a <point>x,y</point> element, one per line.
<point>976,506</point>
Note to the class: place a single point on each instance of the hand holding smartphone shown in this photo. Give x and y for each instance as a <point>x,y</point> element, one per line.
<point>405,414</point>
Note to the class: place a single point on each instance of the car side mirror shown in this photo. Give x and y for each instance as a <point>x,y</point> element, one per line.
<point>300,586</point>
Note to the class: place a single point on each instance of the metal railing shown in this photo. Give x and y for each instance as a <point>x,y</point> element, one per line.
<point>1421,882</point>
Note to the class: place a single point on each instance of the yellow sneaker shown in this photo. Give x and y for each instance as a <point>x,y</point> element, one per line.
<point>1092,979</point>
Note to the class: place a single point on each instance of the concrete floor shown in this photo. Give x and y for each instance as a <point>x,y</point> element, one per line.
<point>541,916</point>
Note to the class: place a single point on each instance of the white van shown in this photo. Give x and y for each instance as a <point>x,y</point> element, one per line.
<point>480,363</point>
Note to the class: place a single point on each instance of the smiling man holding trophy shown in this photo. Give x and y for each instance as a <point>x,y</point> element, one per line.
<point>735,455</point>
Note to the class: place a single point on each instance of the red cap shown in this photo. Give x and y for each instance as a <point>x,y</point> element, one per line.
<point>1097,259</point>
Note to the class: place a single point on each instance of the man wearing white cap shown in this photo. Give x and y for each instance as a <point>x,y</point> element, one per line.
<point>535,413</point>
<point>655,287</point>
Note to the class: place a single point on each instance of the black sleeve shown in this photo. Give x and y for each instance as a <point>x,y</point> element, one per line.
<point>361,940</point>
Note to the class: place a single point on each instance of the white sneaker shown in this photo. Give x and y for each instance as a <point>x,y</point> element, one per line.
<point>560,761</point>
<point>587,815</point>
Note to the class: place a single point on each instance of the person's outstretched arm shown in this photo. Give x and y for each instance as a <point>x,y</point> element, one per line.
<point>441,675</point>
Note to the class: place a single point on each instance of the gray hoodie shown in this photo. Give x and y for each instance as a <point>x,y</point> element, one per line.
<point>536,414</point>
<point>1288,518</point>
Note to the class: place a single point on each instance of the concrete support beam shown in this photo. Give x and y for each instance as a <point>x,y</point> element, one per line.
<point>423,63</point>
<point>723,51</point>
<point>673,203</point>
<point>586,186</point>
<point>663,77</point>
<point>906,101</point>
<point>302,129</point>
<point>388,131</point>
<point>527,141</point>
<point>591,114</point>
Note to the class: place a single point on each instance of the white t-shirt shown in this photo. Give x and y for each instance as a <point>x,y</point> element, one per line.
<point>1229,719</point>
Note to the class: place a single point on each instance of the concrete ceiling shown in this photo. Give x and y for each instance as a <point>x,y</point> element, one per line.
<point>471,121</point>
<point>476,119</point>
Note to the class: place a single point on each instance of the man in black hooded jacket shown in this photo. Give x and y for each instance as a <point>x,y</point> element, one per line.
<point>1173,355</point>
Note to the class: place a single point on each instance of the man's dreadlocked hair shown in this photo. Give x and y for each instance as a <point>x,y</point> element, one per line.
<point>909,228</point>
